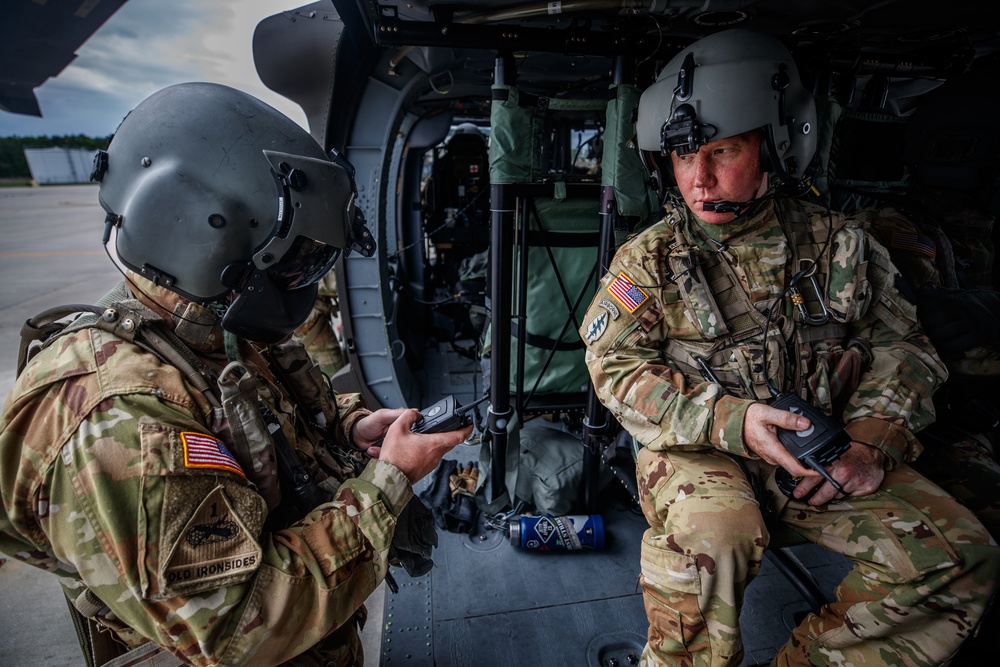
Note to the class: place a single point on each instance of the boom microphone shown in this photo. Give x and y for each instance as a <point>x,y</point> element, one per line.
<point>726,206</point>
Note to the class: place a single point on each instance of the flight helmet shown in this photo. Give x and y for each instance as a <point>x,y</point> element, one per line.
<point>227,202</point>
<point>721,86</point>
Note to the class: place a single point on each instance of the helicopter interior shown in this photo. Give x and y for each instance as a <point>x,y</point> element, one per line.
<point>494,147</point>
<point>496,167</point>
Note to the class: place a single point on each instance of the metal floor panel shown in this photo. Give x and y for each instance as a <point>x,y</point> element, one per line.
<point>487,603</point>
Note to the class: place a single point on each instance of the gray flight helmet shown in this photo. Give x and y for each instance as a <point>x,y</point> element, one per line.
<point>726,84</point>
<point>222,199</point>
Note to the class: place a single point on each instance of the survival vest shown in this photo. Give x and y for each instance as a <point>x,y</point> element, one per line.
<point>831,285</point>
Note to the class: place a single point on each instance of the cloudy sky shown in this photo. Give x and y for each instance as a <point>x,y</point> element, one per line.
<point>145,46</point>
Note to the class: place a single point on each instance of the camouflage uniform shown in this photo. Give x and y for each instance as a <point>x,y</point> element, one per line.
<point>117,477</point>
<point>924,568</point>
<point>319,332</point>
<point>950,248</point>
<point>956,255</point>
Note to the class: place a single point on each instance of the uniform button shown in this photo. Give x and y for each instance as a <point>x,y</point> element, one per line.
<point>757,368</point>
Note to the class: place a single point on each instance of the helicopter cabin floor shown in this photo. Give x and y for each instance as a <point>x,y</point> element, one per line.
<point>488,603</point>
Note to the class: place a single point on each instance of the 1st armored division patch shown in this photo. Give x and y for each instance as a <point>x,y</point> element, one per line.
<point>213,549</point>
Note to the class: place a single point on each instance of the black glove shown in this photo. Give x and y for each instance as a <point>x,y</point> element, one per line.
<point>414,539</point>
<point>437,495</point>
<point>958,320</point>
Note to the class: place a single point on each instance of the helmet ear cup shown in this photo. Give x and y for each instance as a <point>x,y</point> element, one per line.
<point>766,162</point>
<point>661,171</point>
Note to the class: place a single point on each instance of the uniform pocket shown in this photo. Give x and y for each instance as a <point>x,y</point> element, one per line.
<point>897,548</point>
<point>671,587</point>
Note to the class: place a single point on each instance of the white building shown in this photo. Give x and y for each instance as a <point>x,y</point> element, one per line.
<point>59,165</point>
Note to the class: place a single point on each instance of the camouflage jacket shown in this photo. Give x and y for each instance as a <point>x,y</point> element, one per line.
<point>112,478</point>
<point>678,365</point>
<point>950,251</point>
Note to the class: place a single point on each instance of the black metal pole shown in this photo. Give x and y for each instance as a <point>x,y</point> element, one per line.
<point>597,419</point>
<point>501,265</point>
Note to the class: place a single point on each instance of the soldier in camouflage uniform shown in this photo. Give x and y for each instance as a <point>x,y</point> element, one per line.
<point>176,461</point>
<point>736,295</point>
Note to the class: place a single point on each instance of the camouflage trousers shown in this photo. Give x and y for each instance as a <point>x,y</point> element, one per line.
<point>924,568</point>
<point>340,648</point>
<point>965,466</point>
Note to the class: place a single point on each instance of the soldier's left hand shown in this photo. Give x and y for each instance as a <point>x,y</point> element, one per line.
<point>860,470</point>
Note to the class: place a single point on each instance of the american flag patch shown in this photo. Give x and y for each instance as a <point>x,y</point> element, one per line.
<point>204,451</point>
<point>922,245</point>
<point>625,291</point>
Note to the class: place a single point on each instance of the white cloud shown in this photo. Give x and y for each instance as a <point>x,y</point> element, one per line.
<point>148,45</point>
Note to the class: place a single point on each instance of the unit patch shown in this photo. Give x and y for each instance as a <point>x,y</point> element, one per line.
<point>597,327</point>
<point>627,293</point>
<point>610,307</point>
<point>204,451</point>
<point>213,548</point>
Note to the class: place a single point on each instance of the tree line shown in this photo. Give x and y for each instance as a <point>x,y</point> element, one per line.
<point>12,162</point>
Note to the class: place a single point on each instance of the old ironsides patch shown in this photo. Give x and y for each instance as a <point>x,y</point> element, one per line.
<point>213,549</point>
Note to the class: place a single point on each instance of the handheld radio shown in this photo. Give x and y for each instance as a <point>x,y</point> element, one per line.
<point>817,446</point>
<point>445,415</point>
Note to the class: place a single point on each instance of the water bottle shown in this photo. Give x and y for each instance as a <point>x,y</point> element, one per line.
<point>557,533</point>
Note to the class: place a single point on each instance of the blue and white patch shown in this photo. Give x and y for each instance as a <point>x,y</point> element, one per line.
<point>597,327</point>
<point>610,307</point>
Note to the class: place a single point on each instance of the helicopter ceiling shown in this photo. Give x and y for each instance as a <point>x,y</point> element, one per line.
<point>566,48</point>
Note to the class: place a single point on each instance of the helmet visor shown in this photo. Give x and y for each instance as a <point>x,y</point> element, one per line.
<point>305,263</point>
<point>315,209</point>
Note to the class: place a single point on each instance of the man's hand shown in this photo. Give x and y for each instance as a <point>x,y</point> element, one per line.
<point>760,435</point>
<point>415,454</point>
<point>860,470</point>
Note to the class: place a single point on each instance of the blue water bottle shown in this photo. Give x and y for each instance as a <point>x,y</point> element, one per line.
<point>557,533</point>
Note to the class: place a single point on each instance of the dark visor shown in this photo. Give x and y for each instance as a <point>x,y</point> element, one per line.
<point>305,263</point>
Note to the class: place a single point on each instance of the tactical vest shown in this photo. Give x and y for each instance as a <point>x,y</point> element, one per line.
<point>732,353</point>
<point>291,481</point>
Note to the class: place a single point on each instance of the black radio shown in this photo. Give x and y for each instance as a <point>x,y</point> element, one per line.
<point>817,446</point>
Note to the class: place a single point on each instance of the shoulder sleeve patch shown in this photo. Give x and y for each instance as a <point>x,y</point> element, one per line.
<point>914,243</point>
<point>597,326</point>
<point>213,549</point>
<point>205,451</point>
<point>627,293</point>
